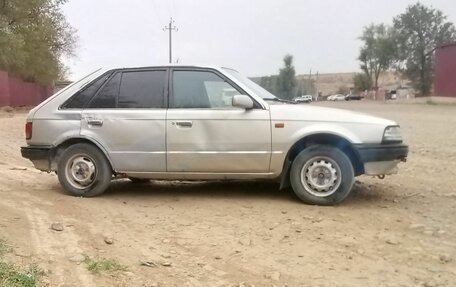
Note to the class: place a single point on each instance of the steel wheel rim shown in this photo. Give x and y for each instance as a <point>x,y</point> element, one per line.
<point>81,171</point>
<point>321,176</point>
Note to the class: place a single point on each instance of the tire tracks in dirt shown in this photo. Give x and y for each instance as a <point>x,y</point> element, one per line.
<point>52,247</point>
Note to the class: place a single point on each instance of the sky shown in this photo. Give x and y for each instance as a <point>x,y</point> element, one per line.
<point>251,36</point>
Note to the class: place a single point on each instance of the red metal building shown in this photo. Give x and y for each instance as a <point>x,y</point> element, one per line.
<point>445,71</point>
<point>15,92</point>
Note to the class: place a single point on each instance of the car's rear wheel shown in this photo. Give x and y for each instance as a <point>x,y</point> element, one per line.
<point>83,170</point>
<point>322,174</point>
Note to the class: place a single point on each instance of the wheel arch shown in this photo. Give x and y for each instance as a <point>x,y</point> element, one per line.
<point>60,147</point>
<point>320,138</point>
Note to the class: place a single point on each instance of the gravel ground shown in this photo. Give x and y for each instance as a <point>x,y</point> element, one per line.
<point>394,232</point>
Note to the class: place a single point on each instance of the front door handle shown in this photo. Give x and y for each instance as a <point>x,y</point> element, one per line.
<point>184,124</point>
<point>95,122</point>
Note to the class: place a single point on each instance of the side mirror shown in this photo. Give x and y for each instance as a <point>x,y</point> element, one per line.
<point>242,101</point>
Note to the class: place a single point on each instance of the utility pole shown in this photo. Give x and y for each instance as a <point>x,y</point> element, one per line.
<point>170,28</point>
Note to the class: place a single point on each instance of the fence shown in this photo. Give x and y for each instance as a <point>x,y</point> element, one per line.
<point>15,92</point>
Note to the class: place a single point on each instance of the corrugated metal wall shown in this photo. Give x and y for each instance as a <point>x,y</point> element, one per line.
<point>445,71</point>
<point>15,92</point>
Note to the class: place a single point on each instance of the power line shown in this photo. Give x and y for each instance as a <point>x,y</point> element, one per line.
<point>170,28</point>
<point>173,7</point>
<point>156,11</point>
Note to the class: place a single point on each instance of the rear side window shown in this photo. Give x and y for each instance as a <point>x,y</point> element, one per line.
<point>80,99</point>
<point>107,96</point>
<point>142,89</point>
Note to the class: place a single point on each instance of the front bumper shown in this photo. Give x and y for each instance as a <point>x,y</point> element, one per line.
<point>382,152</point>
<point>381,159</point>
<point>40,156</point>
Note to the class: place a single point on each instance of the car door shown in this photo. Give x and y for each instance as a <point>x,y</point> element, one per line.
<point>127,116</point>
<point>205,133</point>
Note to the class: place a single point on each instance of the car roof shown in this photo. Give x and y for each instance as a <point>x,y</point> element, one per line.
<point>172,65</point>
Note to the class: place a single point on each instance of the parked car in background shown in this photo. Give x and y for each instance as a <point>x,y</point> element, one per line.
<point>304,99</point>
<point>353,97</point>
<point>337,97</point>
<point>175,122</point>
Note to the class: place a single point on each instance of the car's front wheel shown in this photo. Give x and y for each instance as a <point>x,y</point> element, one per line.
<point>322,175</point>
<point>83,170</point>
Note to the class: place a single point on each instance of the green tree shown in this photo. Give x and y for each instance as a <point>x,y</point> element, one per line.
<point>418,32</point>
<point>34,35</point>
<point>286,82</point>
<point>378,51</point>
<point>362,82</point>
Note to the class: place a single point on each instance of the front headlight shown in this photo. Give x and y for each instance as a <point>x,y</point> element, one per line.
<point>392,134</point>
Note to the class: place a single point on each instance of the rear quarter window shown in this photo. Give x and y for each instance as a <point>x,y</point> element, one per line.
<point>82,97</point>
<point>107,96</point>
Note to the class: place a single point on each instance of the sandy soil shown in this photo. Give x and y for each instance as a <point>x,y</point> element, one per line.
<point>398,231</point>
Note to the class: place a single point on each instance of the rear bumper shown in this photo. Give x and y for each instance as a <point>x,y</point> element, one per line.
<point>40,156</point>
<point>381,159</point>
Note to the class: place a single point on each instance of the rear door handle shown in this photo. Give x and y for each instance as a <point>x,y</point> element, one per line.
<point>184,124</point>
<point>94,122</point>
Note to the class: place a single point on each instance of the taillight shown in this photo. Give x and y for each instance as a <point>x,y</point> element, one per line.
<point>28,130</point>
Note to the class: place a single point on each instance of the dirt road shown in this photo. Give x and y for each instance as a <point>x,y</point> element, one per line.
<point>399,231</point>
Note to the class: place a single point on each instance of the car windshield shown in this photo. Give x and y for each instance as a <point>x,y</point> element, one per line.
<point>250,84</point>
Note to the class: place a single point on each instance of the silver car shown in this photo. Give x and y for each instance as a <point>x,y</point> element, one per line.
<point>304,99</point>
<point>201,123</point>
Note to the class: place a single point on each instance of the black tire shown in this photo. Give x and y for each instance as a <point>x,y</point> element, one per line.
<point>139,180</point>
<point>86,157</point>
<point>322,162</point>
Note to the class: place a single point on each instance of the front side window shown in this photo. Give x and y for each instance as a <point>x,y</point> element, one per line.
<point>142,89</point>
<point>201,89</point>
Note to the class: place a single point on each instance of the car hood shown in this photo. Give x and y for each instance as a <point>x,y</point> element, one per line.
<point>323,114</point>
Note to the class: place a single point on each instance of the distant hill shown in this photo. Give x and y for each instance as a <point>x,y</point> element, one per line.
<point>330,83</point>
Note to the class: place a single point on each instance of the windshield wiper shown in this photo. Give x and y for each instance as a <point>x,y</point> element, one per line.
<point>279,100</point>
